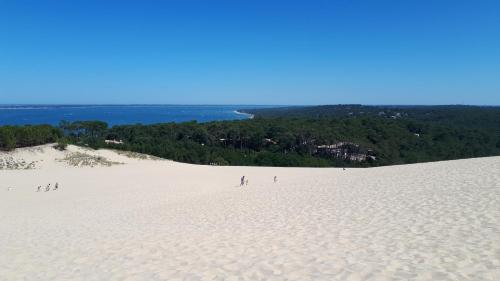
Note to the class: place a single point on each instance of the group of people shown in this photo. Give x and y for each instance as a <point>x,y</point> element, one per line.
<point>244,181</point>
<point>47,188</point>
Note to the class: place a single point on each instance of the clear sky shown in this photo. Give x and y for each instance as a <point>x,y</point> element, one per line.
<point>250,52</point>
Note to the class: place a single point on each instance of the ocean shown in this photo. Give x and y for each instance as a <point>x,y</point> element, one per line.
<point>119,114</point>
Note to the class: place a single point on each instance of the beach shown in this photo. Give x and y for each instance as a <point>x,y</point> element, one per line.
<point>127,216</point>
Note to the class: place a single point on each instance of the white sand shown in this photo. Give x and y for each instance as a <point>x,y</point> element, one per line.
<point>161,220</point>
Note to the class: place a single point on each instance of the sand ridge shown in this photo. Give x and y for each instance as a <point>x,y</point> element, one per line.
<point>161,220</point>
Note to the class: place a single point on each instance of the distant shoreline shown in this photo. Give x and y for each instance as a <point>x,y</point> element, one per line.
<point>250,116</point>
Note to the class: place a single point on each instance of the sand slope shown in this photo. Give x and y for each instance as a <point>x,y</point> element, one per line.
<point>160,220</point>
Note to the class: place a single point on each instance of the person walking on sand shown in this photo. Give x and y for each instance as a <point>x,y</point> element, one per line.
<point>246,182</point>
<point>56,186</point>
<point>275,179</point>
<point>38,189</point>
<point>242,182</point>
<point>47,188</point>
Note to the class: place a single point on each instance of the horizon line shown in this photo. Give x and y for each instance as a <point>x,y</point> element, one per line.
<point>278,105</point>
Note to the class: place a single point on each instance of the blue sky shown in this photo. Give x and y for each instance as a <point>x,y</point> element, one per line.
<point>250,52</point>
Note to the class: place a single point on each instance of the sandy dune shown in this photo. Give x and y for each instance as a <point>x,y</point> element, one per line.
<point>146,219</point>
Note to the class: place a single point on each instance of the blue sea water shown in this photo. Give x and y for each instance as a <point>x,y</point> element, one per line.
<point>119,114</point>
